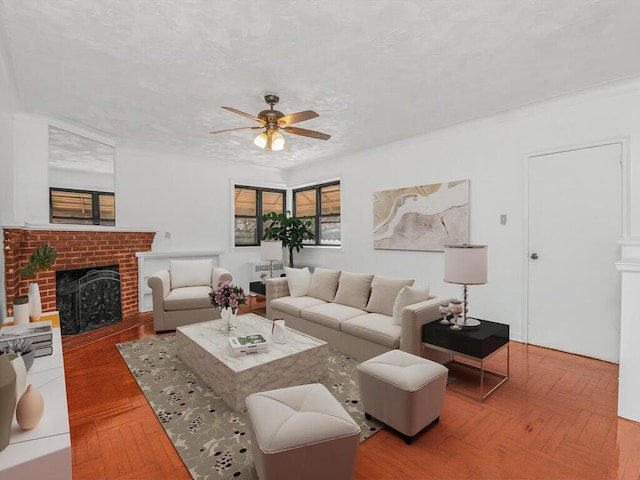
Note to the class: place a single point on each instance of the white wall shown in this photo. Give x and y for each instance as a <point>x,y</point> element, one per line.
<point>7,107</point>
<point>189,200</point>
<point>30,177</point>
<point>491,153</point>
<point>8,104</point>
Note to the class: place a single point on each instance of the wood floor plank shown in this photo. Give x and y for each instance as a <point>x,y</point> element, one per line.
<point>556,418</point>
<point>94,470</point>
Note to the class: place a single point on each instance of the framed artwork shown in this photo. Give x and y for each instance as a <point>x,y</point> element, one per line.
<point>424,217</point>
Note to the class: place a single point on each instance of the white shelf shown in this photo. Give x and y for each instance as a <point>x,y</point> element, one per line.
<point>47,447</point>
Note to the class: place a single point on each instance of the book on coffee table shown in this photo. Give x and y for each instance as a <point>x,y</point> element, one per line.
<point>248,344</point>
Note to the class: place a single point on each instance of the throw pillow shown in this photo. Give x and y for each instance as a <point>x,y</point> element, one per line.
<point>298,280</point>
<point>190,273</point>
<point>408,296</point>
<point>324,284</point>
<point>353,289</point>
<point>384,292</point>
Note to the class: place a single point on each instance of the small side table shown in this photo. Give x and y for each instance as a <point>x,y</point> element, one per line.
<point>256,288</point>
<point>476,343</point>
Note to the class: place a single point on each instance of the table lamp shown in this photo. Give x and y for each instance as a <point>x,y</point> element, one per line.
<point>465,265</point>
<point>271,250</point>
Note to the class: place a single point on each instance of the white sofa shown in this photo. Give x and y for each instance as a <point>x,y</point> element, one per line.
<point>360,315</point>
<point>181,294</point>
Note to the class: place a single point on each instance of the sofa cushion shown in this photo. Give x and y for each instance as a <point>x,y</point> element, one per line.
<point>190,273</point>
<point>408,296</point>
<point>294,305</point>
<point>384,291</point>
<point>188,298</point>
<point>353,289</point>
<point>298,280</point>
<point>331,314</point>
<point>324,284</point>
<point>375,327</point>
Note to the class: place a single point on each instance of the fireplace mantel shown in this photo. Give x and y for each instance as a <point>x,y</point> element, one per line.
<point>74,228</point>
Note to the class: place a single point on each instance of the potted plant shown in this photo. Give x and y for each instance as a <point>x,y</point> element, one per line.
<point>289,229</point>
<point>227,298</point>
<point>41,259</point>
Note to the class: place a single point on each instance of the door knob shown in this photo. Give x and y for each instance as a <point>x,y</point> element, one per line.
<point>534,256</point>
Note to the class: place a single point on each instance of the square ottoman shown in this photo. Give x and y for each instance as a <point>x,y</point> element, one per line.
<point>302,432</point>
<point>402,390</point>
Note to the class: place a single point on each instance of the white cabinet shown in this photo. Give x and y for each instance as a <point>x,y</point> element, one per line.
<point>45,451</point>
<point>151,262</point>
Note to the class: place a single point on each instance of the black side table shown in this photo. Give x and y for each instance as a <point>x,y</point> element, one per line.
<point>476,343</point>
<point>258,287</point>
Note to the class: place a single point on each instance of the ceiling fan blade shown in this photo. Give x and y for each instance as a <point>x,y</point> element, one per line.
<point>248,115</point>
<point>297,117</point>
<point>307,133</point>
<point>234,129</point>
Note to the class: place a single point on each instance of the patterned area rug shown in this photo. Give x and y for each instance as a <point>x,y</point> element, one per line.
<point>213,440</point>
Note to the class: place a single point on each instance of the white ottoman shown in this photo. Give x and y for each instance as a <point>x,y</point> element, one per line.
<point>302,432</point>
<point>402,390</point>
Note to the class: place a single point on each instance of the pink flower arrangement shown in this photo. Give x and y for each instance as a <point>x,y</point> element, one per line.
<point>228,295</point>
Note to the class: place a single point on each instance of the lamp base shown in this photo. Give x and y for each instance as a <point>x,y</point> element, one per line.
<point>472,322</point>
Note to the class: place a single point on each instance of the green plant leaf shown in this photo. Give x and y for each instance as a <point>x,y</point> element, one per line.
<point>41,259</point>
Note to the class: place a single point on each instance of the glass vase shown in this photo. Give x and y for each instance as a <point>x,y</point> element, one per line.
<point>228,316</point>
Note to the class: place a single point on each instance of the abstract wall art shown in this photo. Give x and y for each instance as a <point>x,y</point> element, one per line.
<point>424,217</point>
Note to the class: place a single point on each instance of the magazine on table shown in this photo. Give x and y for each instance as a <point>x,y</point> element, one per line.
<point>248,344</point>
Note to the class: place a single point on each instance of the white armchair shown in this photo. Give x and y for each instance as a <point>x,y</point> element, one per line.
<point>181,294</point>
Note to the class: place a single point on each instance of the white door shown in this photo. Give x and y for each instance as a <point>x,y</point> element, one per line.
<point>575,220</point>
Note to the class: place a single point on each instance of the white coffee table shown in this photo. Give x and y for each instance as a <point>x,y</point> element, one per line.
<point>204,348</point>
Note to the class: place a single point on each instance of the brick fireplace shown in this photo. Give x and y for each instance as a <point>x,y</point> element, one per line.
<point>76,249</point>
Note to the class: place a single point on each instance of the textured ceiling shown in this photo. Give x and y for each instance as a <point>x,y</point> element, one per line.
<point>155,73</point>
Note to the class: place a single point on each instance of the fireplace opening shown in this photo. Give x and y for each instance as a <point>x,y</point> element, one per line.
<point>88,298</point>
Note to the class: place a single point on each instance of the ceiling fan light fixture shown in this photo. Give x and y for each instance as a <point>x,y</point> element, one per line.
<point>261,140</point>
<point>277,141</point>
<point>272,120</point>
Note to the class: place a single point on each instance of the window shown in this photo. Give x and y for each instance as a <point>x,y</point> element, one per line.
<point>321,205</point>
<point>82,207</point>
<point>251,203</point>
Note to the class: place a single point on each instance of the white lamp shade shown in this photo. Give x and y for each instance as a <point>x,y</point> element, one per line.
<point>465,264</point>
<point>261,140</point>
<point>271,250</point>
<point>277,141</point>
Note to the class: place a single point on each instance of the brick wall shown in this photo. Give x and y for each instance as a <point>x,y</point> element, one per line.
<point>76,249</point>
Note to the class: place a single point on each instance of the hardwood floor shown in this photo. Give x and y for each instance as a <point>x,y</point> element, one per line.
<point>554,419</point>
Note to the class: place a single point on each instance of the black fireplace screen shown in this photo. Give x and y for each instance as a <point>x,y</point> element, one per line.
<point>88,298</point>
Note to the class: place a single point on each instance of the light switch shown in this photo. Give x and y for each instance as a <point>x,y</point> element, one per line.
<point>167,235</point>
<point>503,219</point>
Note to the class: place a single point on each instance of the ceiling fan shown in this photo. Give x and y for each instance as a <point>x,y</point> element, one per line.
<point>272,121</point>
